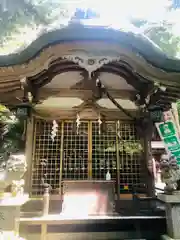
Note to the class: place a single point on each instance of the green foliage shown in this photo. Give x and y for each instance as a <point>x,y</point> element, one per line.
<point>165,39</point>
<point>161,34</point>
<point>11,131</point>
<point>16,14</point>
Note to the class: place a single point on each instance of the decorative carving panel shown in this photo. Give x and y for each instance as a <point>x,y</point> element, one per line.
<point>90,62</point>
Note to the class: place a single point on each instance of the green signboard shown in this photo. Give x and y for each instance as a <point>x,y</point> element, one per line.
<point>169,135</point>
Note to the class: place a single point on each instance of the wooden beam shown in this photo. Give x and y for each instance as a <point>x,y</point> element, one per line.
<point>108,114</point>
<point>11,96</point>
<point>82,93</point>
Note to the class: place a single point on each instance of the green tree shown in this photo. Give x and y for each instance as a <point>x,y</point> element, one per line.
<point>11,132</point>
<point>161,34</point>
<point>16,14</point>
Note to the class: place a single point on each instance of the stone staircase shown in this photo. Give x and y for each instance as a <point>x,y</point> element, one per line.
<point>130,222</point>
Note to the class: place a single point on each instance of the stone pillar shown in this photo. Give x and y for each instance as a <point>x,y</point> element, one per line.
<point>172,205</point>
<point>10,213</point>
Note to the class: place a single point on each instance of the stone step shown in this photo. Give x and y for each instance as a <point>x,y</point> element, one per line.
<point>97,227</point>
<point>88,236</point>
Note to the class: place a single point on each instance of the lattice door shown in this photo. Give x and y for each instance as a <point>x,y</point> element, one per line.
<point>104,153</point>
<point>46,157</point>
<point>86,154</point>
<point>130,157</point>
<point>75,151</point>
<point>112,144</point>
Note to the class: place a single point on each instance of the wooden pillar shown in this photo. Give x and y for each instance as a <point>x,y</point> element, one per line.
<point>176,116</point>
<point>90,150</point>
<point>117,165</point>
<point>61,160</point>
<point>149,178</point>
<point>29,153</point>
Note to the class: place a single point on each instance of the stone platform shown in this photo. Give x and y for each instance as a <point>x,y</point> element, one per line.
<point>10,213</point>
<point>172,208</point>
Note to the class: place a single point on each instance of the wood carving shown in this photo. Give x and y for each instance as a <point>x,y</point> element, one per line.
<point>30,91</point>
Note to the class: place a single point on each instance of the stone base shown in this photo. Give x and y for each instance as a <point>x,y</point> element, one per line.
<point>172,204</point>
<point>10,212</point>
<point>166,237</point>
<point>174,198</point>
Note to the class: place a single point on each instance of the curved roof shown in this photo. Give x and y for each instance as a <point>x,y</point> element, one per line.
<point>135,42</point>
<point>133,56</point>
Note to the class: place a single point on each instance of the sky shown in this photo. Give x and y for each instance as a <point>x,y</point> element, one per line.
<point>125,9</point>
<point>116,13</point>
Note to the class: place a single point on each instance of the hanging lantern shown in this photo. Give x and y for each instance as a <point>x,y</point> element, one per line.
<point>156,113</point>
<point>54,130</point>
<point>78,122</point>
<point>23,110</point>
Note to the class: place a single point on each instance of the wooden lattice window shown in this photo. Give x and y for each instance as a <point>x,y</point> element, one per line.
<point>85,154</point>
